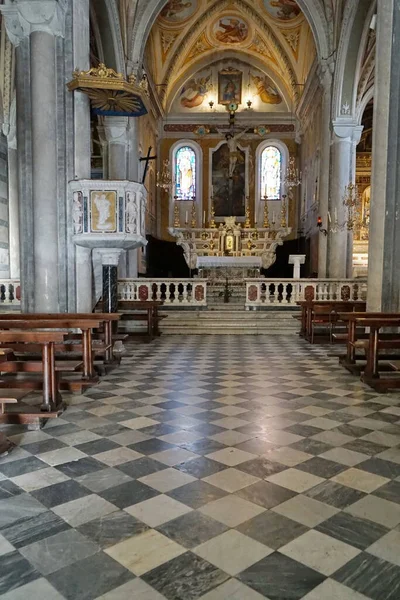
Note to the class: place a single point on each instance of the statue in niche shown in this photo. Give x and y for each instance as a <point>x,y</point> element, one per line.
<point>103,207</point>
<point>130,213</point>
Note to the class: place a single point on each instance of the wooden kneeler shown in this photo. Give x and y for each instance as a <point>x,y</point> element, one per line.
<point>8,397</point>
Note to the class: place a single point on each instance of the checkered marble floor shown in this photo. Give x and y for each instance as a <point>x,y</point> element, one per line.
<point>212,467</point>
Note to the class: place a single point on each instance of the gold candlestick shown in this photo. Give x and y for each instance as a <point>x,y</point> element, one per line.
<point>266,224</point>
<point>247,223</point>
<point>194,220</point>
<point>177,222</point>
<point>283,212</point>
<point>213,224</point>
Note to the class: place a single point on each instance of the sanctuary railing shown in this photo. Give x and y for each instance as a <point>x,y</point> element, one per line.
<point>10,292</point>
<point>263,292</point>
<point>173,292</point>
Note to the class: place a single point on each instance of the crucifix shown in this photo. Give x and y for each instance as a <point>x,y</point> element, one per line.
<point>147,159</point>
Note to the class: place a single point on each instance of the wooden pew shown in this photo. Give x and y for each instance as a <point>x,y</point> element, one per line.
<point>106,320</point>
<point>323,313</point>
<point>146,311</point>
<point>88,376</point>
<point>376,341</point>
<point>51,401</point>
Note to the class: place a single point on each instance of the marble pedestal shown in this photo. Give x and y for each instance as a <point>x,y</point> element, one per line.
<point>296,260</point>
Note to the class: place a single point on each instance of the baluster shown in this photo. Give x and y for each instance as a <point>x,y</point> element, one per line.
<point>11,296</point>
<point>2,293</point>
<point>159,292</point>
<point>205,293</point>
<point>185,292</point>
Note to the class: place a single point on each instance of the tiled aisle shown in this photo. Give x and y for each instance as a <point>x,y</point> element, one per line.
<point>215,467</point>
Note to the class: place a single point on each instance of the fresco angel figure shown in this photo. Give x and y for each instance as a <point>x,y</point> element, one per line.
<point>287,9</point>
<point>194,91</point>
<point>267,92</point>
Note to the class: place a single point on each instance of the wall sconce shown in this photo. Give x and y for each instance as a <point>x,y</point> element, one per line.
<point>249,103</point>
<point>211,104</point>
<point>319,225</point>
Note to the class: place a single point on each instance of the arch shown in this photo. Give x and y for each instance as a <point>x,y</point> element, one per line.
<point>363,103</point>
<point>203,61</point>
<point>312,9</point>
<point>104,13</point>
<point>356,20</point>
<point>198,175</point>
<point>259,192</point>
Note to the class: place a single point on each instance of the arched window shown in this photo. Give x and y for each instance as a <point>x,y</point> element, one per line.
<point>271,173</point>
<point>185,167</point>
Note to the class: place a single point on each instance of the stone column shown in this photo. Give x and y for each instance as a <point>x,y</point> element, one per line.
<point>384,232</point>
<point>345,138</point>
<point>115,130</point>
<point>110,259</point>
<point>13,196</point>
<point>325,162</point>
<point>35,26</point>
<point>82,149</point>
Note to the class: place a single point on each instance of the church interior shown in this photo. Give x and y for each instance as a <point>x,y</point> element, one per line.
<point>199,299</point>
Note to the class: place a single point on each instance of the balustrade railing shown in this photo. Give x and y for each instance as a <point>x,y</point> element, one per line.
<point>10,292</point>
<point>262,292</point>
<point>173,292</point>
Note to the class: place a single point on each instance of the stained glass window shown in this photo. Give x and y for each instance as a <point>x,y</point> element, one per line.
<point>271,173</point>
<point>185,173</point>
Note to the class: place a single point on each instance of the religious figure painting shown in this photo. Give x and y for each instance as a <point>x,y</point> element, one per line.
<point>103,212</point>
<point>178,10</point>
<point>231,30</point>
<point>185,173</point>
<point>266,90</point>
<point>229,189</point>
<point>194,92</point>
<point>230,86</point>
<point>282,9</point>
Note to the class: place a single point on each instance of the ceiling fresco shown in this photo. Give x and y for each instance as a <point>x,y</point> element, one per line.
<point>270,38</point>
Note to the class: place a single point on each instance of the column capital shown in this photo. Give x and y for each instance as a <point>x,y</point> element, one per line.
<point>346,131</point>
<point>116,129</point>
<point>23,17</point>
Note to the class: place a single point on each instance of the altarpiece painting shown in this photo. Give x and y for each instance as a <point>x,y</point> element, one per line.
<point>229,190</point>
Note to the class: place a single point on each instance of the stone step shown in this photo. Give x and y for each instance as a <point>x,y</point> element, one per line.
<point>235,322</point>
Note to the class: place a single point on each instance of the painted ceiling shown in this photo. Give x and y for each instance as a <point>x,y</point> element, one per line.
<point>198,51</point>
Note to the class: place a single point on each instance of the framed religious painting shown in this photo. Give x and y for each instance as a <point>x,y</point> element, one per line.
<point>230,86</point>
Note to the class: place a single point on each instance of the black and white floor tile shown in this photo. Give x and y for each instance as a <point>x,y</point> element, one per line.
<point>212,468</point>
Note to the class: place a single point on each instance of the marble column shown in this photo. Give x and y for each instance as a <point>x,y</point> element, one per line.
<point>344,140</point>
<point>82,149</point>
<point>110,259</point>
<point>115,131</point>
<point>130,267</point>
<point>384,232</point>
<point>35,27</point>
<point>13,196</point>
<point>326,82</point>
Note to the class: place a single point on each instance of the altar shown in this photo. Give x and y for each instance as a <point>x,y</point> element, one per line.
<point>230,250</point>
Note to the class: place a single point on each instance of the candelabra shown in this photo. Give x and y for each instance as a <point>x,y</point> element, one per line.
<point>283,212</point>
<point>293,176</point>
<point>164,178</point>
<point>177,222</point>
<point>352,203</point>
<point>213,224</point>
<point>194,219</point>
<point>266,224</point>
<point>247,223</point>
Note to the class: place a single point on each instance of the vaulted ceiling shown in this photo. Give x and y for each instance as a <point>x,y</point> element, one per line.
<point>266,43</point>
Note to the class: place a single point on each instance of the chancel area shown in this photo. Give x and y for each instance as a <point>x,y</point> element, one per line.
<point>199,300</point>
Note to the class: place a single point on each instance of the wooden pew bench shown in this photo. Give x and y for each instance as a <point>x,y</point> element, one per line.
<point>132,310</point>
<point>376,362</point>
<point>323,314</point>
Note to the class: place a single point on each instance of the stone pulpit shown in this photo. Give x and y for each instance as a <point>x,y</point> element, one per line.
<point>109,218</point>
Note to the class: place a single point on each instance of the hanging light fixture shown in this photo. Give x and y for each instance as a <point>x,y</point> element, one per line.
<point>293,175</point>
<point>164,177</point>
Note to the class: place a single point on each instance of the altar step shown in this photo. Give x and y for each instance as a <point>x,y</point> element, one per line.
<point>224,321</point>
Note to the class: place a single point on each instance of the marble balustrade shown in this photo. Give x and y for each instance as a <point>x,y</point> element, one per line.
<point>265,291</point>
<point>179,292</point>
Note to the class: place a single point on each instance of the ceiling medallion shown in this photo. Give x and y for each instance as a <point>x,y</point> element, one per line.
<point>110,93</point>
